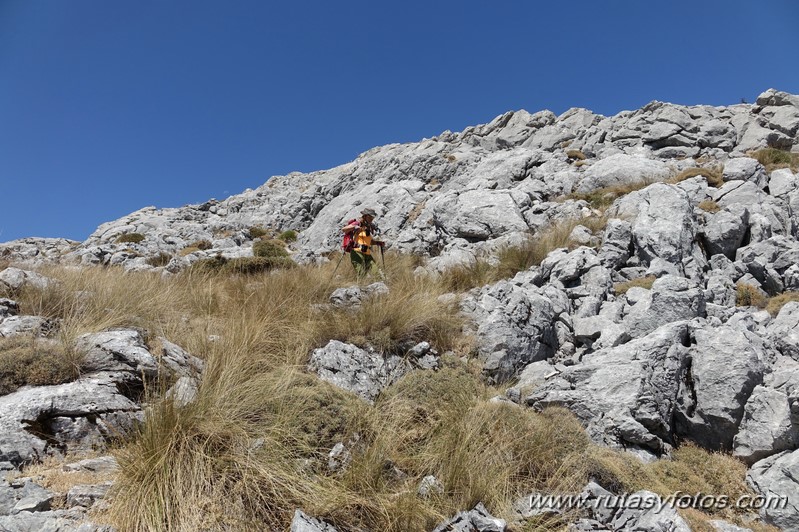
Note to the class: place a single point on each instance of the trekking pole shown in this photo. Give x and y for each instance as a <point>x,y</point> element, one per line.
<point>337,265</point>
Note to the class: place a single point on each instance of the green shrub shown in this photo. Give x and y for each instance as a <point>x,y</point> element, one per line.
<point>133,238</point>
<point>269,248</point>
<point>288,236</point>
<point>257,232</point>
<point>162,259</point>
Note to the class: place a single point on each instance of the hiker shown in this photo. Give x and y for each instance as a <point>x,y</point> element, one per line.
<point>361,235</point>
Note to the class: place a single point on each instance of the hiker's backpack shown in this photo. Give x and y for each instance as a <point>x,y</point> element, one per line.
<point>348,244</point>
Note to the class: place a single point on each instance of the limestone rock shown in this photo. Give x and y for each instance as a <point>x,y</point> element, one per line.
<point>766,427</point>
<point>776,477</point>
<point>514,327</point>
<point>361,371</point>
<point>305,523</point>
<point>625,395</point>
<point>725,366</point>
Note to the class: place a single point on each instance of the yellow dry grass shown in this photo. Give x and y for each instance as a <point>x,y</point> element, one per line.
<point>253,445</point>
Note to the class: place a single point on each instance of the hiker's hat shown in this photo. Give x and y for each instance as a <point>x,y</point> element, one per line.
<point>369,212</point>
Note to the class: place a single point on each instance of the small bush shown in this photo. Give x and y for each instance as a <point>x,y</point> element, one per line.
<point>747,295</point>
<point>773,159</point>
<point>26,361</point>
<point>711,174</point>
<point>709,206</point>
<point>641,282</point>
<point>188,250</point>
<point>288,236</point>
<point>257,232</point>
<point>133,238</point>
<point>575,155</point>
<point>162,259</point>
<point>269,248</point>
<point>776,303</point>
<point>464,277</point>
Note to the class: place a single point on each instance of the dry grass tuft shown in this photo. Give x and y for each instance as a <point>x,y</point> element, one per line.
<point>712,175</point>
<point>515,259</point>
<point>253,446</point>
<point>709,206</point>
<point>776,303</point>
<point>641,282</point>
<point>575,155</point>
<point>747,295</point>
<point>774,159</point>
<point>25,360</point>
<point>133,238</point>
<point>602,198</point>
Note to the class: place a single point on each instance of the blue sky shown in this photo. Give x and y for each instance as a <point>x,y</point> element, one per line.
<point>107,106</point>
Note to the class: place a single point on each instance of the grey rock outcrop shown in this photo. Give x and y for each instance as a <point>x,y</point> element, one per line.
<point>361,371</point>
<point>478,519</point>
<point>16,279</point>
<point>724,367</point>
<point>515,327</point>
<point>775,478</point>
<point>626,396</point>
<point>767,426</point>
<point>303,522</point>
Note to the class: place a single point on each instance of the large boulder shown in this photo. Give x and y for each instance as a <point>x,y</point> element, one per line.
<point>83,414</point>
<point>622,169</point>
<point>475,520</point>
<point>626,396</point>
<point>724,366</point>
<point>515,326</point>
<point>671,298</point>
<point>775,479</point>
<point>665,229</point>
<point>16,279</point>
<point>784,330</point>
<point>767,426</point>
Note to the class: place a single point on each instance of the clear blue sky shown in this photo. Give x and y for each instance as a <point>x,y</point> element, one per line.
<point>107,106</point>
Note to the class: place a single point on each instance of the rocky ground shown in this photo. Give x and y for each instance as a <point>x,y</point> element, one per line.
<point>674,321</point>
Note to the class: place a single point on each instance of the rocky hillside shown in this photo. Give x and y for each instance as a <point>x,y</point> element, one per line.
<point>455,194</point>
<point>638,270</point>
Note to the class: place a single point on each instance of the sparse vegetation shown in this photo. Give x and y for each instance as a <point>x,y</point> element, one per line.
<point>269,248</point>
<point>253,446</point>
<point>162,259</point>
<point>712,175</point>
<point>241,265</point>
<point>774,159</point>
<point>776,303</point>
<point>709,206</point>
<point>602,198</point>
<point>132,238</point>
<point>201,244</point>
<point>257,232</point>
<point>747,295</point>
<point>288,236</point>
<point>27,361</point>
<point>641,282</point>
<point>514,259</point>
<point>575,155</point>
